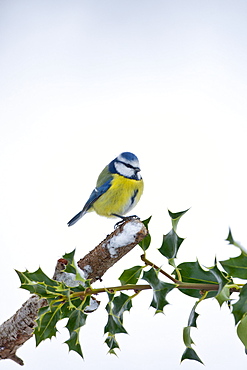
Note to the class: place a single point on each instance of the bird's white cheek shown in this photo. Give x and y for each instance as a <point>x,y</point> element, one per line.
<point>124,170</point>
<point>138,175</point>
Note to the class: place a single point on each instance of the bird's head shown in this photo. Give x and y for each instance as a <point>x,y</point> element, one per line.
<point>127,165</point>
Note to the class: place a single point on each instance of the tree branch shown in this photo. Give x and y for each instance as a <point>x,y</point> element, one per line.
<point>19,328</point>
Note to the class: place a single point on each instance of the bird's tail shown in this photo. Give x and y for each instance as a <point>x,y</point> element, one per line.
<point>76,218</point>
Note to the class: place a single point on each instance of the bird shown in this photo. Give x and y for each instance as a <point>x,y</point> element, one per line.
<point>118,189</point>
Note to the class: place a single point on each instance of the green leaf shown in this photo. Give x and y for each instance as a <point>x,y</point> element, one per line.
<point>192,272</point>
<point>76,320</point>
<point>230,237</point>
<point>170,245</point>
<point>237,266</point>
<point>160,290</point>
<point>111,343</point>
<point>193,317</point>
<point>223,296</point>
<point>70,267</point>
<point>191,323</point>
<point>186,337</point>
<point>233,242</point>
<point>69,256</point>
<point>47,324</point>
<point>240,307</point>
<point>176,217</point>
<point>145,243</point>
<point>242,330</point>
<point>190,354</point>
<point>114,325</point>
<point>74,343</point>
<point>27,277</point>
<point>115,309</point>
<point>220,277</point>
<point>131,275</point>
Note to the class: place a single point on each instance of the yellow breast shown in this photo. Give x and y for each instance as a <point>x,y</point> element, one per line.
<point>120,198</point>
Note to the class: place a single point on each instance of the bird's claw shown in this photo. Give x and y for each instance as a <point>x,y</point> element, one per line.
<point>123,219</point>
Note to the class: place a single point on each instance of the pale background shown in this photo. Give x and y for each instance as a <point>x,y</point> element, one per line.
<point>82,81</point>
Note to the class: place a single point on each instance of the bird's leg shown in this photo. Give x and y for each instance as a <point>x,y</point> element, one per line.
<point>123,219</point>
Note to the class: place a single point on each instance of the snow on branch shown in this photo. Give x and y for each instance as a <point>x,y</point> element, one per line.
<point>112,249</point>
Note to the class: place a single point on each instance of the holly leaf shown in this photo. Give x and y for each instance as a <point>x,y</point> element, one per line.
<point>71,266</point>
<point>231,240</point>
<point>160,290</point>
<point>131,276</point>
<point>145,243</point>
<point>220,277</point>
<point>190,354</point>
<point>29,278</point>
<point>69,256</point>
<point>240,307</point>
<point>47,324</point>
<point>115,309</point>
<point>77,319</point>
<point>176,217</point>
<point>74,343</point>
<point>170,245</point>
<point>192,272</point>
<point>242,330</point>
<point>237,266</point>
<point>223,296</point>
<point>112,344</point>
<point>193,317</point>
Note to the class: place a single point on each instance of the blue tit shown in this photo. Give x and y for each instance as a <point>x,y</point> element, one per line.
<point>118,189</point>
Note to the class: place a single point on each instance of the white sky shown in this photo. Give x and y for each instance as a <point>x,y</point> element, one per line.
<point>82,81</point>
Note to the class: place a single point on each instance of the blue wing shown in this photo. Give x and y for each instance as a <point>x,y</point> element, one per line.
<point>96,193</point>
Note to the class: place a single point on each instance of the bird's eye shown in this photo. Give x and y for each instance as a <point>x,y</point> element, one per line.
<point>128,165</point>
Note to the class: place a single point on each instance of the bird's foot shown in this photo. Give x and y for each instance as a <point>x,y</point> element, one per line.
<point>123,219</point>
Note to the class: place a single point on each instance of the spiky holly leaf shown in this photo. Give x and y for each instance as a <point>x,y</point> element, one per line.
<point>190,354</point>
<point>74,343</point>
<point>115,308</point>
<point>193,317</point>
<point>170,245</point>
<point>145,243</point>
<point>242,330</point>
<point>131,276</point>
<point>192,272</point>
<point>47,324</point>
<point>237,266</point>
<point>112,344</point>
<point>230,237</point>
<point>176,217</point>
<point>77,319</point>
<point>39,283</point>
<point>187,337</point>
<point>223,296</point>
<point>160,290</point>
<point>70,267</point>
<point>232,241</point>
<point>220,277</point>
<point>240,307</point>
<point>37,276</point>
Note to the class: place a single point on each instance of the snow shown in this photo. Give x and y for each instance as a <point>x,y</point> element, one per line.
<point>86,271</point>
<point>127,236</point>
